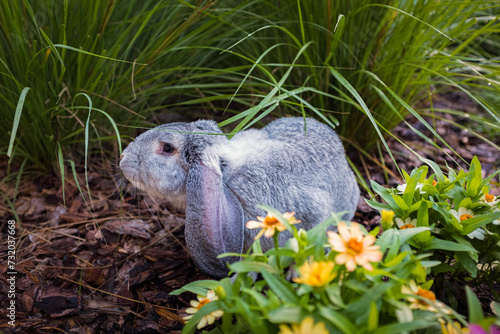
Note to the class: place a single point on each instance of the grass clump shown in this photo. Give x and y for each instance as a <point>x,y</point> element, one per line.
<point>362,65</point>
<point>75,70</point>
<point>366,65</point>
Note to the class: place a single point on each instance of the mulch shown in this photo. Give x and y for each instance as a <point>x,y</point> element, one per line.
<point>106,263</point>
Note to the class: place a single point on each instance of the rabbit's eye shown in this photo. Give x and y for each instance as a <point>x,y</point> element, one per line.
<point>168,149</point>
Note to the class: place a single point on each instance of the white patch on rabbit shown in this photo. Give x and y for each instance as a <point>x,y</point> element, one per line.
<point>211,159</point>
<point>247,147</point>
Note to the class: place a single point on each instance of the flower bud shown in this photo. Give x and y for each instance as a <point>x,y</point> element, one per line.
<point>302,235</point>
<point>221,293</point>
<point>387,219</point>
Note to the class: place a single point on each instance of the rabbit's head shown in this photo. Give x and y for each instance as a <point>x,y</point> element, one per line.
<point>180,163</point>
<point>157,161</point>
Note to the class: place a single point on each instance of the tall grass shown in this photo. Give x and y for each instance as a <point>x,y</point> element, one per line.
<point>393,55</point>
<point>76,70</point>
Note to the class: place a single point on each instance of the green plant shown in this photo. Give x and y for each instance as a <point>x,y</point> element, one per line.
<point>462,218</point>
<point>365,65</point>
<point>345,293</point>
<point>74,71</point>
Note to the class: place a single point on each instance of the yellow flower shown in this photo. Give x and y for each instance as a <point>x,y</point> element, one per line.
<point>270,224</point>
<point>198,304</point>
<point>316,274</point>
<point>307,326</point>
<point>386,218</point>
<point>429,303</point>
<point>353,247</point>
<point>454,328</point>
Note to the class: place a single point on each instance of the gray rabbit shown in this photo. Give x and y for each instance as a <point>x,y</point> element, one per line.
<point>219,182</point>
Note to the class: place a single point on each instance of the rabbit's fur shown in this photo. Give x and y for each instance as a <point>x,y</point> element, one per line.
<point>219,182</point>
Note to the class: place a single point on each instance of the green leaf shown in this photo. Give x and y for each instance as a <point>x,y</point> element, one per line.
<point>281,252</point>
<point>411,187</point>
<point>410,232</point>
<point>286,314</point>
<point>423,215</point>
<point>474,178</point>
<point>378,206</point>
<point>439,174</point>
<point>339,320</point>
<point>335,295</point>
<point>465,241</point>
<point>449,246</point>
<point>386,196</point>
<point>467,262</point>
<point>260,300</point>
<point>373,317</point>
<point>476,314</point>
<point>280,287</point>
<point>396,260</point>
<point>252,266</point>
<point>400,202</point>
<point>403,327</point>
<point>479,221</point>
<point>198,287</point>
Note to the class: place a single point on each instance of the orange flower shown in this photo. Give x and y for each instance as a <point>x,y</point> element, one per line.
<point>353,248</point>
<point>316,274</point>
<point>270,224</point>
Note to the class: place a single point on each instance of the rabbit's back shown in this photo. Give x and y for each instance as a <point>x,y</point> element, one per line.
<point>287,168</point>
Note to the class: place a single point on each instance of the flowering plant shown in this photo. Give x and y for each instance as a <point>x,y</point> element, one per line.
<point>325,282</point>
<point>457,219</point>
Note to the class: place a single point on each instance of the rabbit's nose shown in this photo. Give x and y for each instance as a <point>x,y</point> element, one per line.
<point>122,156</point>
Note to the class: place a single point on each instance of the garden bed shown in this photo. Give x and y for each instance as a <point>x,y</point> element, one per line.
<point>106,264</point>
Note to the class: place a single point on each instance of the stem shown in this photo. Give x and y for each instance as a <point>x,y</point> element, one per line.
<point>276,246</point>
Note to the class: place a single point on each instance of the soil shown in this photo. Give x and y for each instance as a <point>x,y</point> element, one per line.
<point>106,263</point>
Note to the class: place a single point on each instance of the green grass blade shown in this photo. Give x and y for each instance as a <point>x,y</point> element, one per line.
<point>60,161</point>
<point>17,117</point>
<point>367,111</point>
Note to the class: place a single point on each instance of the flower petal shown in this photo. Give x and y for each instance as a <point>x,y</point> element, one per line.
<point>342,258</point>
<point>337,242</point>
<point>344,231</point>
<point>269,232</point>
<point>254,224</point>
<point>210,318</point>
<point>350,265</point>
<point>191,310</point>
<point>202,323</point>
<point>218,313</point>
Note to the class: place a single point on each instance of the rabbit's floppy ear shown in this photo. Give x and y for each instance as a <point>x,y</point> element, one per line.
<point>214,220</point>
<point>214,216</point>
